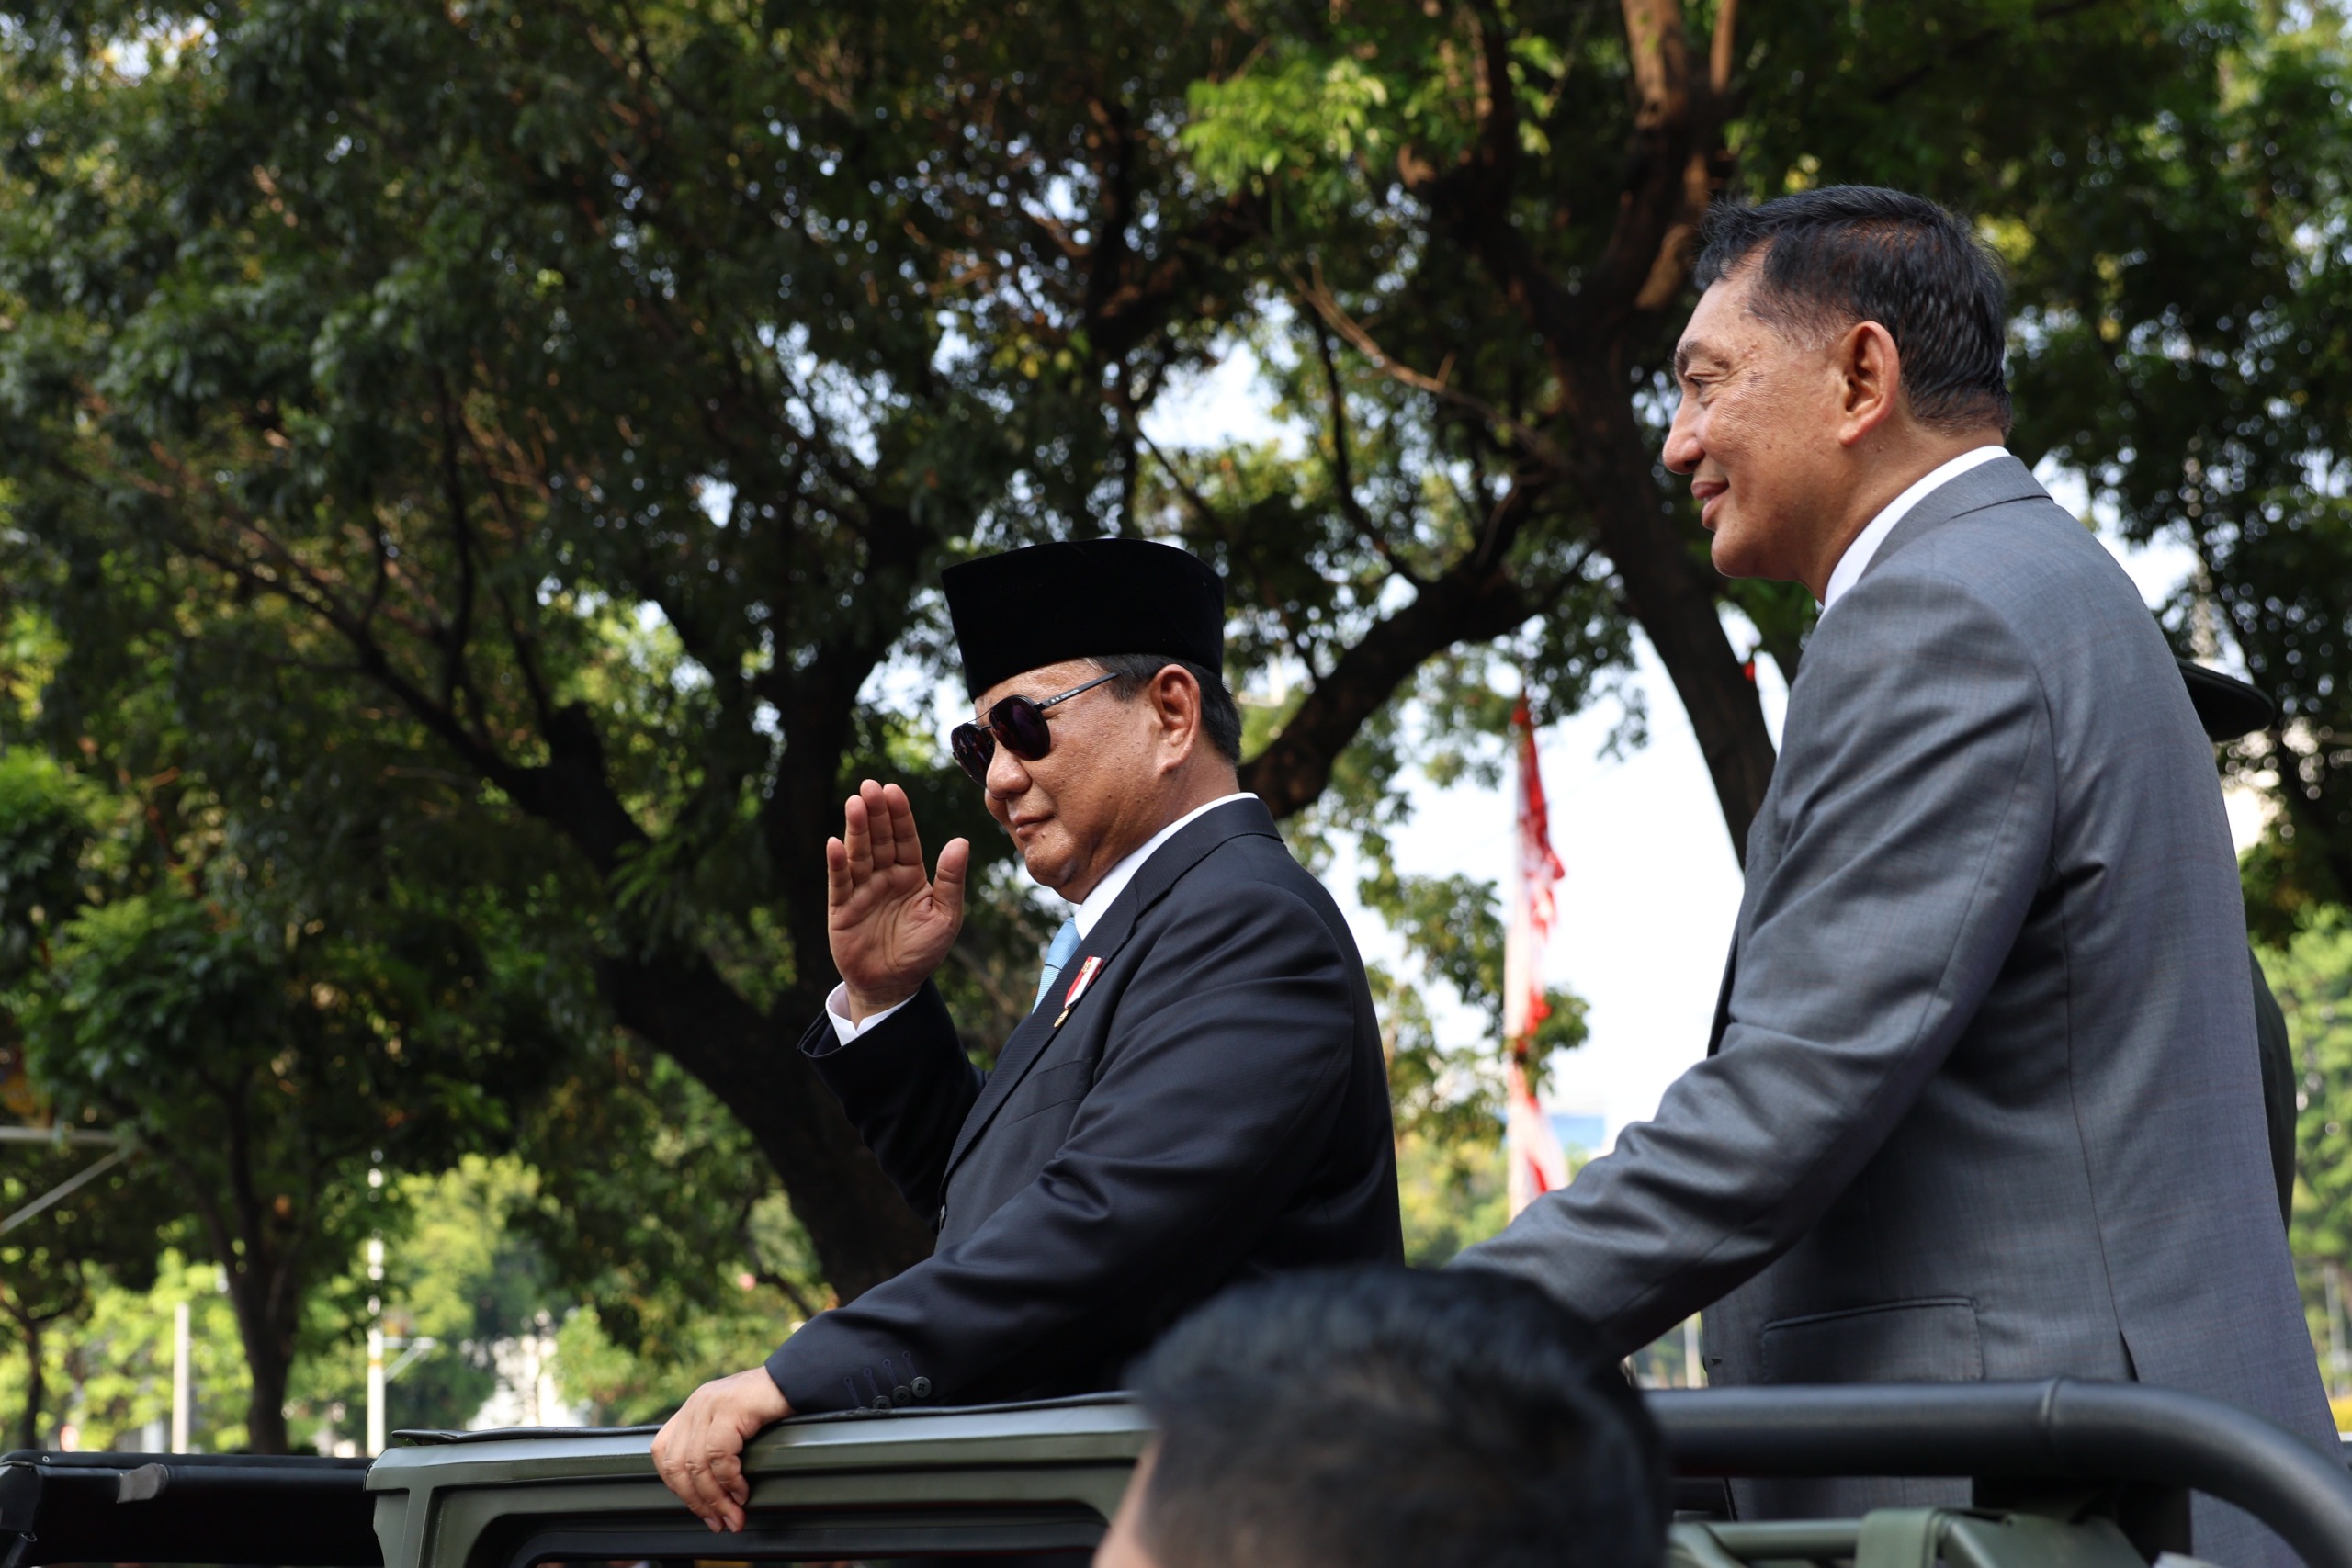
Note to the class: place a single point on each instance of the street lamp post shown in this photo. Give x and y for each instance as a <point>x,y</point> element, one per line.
<point>375,1336</point>
<point>180,1379</point>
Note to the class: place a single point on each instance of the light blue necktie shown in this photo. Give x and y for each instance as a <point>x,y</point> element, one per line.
<point>1059,953</point>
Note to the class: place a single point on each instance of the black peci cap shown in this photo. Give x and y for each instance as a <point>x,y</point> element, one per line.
<point>2226,705</point>
<point>1082,599</point>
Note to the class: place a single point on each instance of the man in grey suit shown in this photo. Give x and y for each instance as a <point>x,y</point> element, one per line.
<point>1982,1099</point>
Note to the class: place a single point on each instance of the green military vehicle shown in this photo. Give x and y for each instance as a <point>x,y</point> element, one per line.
<point>2067,1474</point>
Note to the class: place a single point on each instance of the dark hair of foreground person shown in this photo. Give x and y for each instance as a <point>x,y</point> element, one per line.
<point>1364,1418</point>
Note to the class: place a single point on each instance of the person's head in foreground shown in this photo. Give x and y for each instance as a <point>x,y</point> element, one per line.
<point>1849,341</point>
<point>1371,1417</point>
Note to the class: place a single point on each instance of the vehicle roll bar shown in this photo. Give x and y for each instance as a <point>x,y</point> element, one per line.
<point>2022,1431</point>
<point>287,1511</point>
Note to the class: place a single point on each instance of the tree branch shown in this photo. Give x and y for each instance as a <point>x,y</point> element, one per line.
<point>457,629</point>
<point>1661,156</point>
<point>1951,53</point>
<point>1472,603</point>
<point>1343,483</point>
<point>1534,441</point>
<point>1719,51</point>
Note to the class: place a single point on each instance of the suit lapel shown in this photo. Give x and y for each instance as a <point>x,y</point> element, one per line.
<point>1022,1049</point>
<point>1151,882</point>
<point>1762,850</point>
<point>1722,998</point>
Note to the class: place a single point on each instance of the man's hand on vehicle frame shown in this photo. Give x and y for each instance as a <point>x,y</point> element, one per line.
<point>698,1453</point>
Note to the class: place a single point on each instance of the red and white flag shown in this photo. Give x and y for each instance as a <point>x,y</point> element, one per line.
<point>1538,1165</point>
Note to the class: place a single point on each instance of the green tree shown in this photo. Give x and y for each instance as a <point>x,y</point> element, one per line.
<point>254,1070</point>
<point>565,406</point>
<point>518,442</point>
<point>652,1203</point>
<point>102,1219</point>
<point>457,1272</point>
<point>266,1076</point>
<point>461,1275</point>
<point>2188,310</point>
<point>116,1367</point>
<point>1449,1095</point>
<point>107,1233</point>
<point>2311,976</point>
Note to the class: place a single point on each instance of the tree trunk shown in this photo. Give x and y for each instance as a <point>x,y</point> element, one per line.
<point>36,1388</point>
<point>266,1409</point>
<point>1671,592</point>
<point>269,1353</point>
<point>1472,605</point>
<point>1674,158</point>
<point>862,1230</point>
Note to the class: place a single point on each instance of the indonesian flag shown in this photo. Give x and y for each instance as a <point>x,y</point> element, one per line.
<point>1537,1164</point>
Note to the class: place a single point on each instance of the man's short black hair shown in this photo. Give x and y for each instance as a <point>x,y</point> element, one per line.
<point>1220,714</point>
<point>1365,1418</point>
<point>1842,254</point>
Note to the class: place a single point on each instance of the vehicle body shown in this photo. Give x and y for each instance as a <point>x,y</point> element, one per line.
<point>2067,1474</point>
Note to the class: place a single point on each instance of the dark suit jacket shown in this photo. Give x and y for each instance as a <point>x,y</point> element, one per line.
<point>2279,1087</point>
<point>1213,1109</point>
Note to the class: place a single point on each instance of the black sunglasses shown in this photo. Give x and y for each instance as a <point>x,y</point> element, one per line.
<point>1019,722</point>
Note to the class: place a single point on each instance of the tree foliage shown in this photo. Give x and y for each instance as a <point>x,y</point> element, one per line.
<point>2192,359</point>
<point>501,456</point>
<point>257,1071</point>
<point>571,405</point>
<point>2312,977</point>
<point>106,1234</point>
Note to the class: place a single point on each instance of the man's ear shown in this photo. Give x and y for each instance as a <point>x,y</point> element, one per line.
<point>1175,699</point>
<point>1870,371</point>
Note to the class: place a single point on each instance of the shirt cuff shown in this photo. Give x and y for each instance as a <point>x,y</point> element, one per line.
<point>837,1013</point>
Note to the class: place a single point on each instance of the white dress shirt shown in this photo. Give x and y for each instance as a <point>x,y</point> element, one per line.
<point>1857,555</point>
<point>1090,911</point>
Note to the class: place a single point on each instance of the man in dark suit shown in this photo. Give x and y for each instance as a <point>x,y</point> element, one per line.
<point>1982,1098</point>
<point>1198,1097</point>
<point>2228,708</point>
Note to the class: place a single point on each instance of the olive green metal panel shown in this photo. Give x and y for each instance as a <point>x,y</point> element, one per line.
<point>2023,1540</point>
<point>478,1526</point>
<point>827,1536</point>
<point>391,1523</point>
<point>1906,1537</point>
<point>1771,1540</point>
<point>1696,1546</point>
<point>464,1504</point>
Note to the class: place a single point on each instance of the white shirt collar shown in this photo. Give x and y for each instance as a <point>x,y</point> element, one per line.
<point>1857,555</point>
<point>1115,881</point>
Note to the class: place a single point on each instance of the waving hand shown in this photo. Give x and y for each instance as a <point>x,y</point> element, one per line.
<point>890,924</point>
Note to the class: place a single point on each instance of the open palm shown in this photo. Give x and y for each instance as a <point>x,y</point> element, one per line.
<point>890,924</point>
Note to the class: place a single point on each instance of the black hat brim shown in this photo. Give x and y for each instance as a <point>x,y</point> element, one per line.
<point>2226,705</point>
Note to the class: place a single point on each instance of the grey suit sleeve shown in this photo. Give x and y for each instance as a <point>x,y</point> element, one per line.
<point>1913,813</point>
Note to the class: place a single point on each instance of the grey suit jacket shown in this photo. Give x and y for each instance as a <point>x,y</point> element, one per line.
<point>1982,1098</point>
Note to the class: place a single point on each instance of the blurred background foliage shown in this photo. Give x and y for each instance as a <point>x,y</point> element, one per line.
<point>473,479</point>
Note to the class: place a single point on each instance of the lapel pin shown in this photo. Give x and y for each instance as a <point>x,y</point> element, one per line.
<point>1086,973</point>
